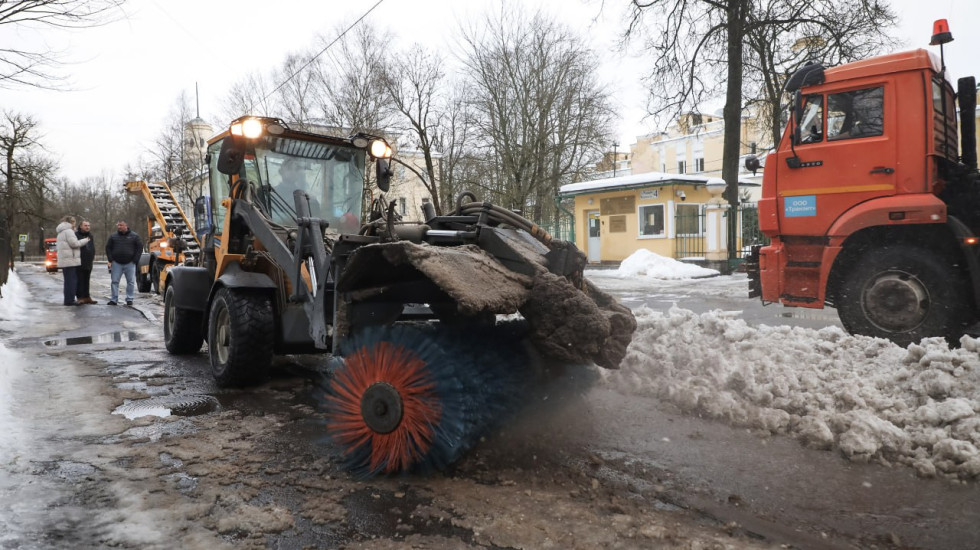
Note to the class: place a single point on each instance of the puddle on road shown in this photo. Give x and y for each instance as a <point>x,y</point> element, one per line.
<point>177,405</point>
<point>105,338</point>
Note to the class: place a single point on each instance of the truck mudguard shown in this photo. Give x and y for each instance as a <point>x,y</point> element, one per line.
<point>919,208</point>
<point>191,287</point>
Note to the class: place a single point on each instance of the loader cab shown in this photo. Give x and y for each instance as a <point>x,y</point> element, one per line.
<point>263,161</point>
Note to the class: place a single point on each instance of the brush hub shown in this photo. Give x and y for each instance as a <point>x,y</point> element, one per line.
<point>381,407</point>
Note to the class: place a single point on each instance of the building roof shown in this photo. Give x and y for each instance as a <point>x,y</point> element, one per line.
<point>647,179</point>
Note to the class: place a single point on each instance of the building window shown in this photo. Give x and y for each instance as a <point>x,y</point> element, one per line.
<point>681,167</point>
<point>698,156</point>
<point>651,220</point>
<point>699,165</point>
<point>688,219</point>
<point>402,206</point>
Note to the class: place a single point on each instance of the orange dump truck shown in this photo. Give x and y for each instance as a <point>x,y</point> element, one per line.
<point>868,204</point>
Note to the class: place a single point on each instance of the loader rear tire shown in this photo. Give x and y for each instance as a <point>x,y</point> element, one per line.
<point>904,293</point>
<point>182,331</point>
<point>240,336</point>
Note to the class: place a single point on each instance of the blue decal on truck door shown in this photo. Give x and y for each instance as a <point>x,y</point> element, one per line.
<point>800,207</point>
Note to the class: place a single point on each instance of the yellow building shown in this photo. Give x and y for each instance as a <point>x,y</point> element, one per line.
<point>672,215</point>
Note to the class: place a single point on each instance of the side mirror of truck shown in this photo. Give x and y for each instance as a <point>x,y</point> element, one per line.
<point>384,171</point>
<point>231,157</point>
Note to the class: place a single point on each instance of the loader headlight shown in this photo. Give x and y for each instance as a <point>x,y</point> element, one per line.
<point>249,128</point>
<point>380,149</point>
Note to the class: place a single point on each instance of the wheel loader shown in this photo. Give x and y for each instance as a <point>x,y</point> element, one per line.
<point>290,264</point>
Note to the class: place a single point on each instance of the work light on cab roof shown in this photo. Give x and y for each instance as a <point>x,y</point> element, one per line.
<point>252,127</point>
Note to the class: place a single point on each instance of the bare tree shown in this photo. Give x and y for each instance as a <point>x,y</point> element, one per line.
<point>540,109</point>
<point>178,160</point>
<point>413,81</point>
<point>18,140</point>
<point>250,96</point>
<point>26,66</point>
<point>351,79</point>
<point>700,54</point>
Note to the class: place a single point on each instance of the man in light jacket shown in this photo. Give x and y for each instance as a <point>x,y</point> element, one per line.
<point>69,256</point>
<point>123,250</point>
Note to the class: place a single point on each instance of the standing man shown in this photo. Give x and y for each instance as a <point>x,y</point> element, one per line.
<point>123,250</point>
<point>69,257</point>
<point>88,258</point>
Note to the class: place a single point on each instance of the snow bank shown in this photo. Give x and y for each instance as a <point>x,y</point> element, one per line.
<point>644,263</point>
<point>866,397</point>
<point>12,308</point>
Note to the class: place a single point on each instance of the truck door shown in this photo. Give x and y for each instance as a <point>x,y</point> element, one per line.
<point>846,152</point>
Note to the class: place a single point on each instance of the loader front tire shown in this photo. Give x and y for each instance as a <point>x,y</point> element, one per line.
<point>904,293</point>
<point>240,336</point>
<point>182,332</point>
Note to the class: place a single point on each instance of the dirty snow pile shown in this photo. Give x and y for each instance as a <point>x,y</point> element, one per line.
<point>866,397</point>
<point>644,263</point>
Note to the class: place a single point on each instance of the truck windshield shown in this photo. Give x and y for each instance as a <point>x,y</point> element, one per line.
<point>332,176</point>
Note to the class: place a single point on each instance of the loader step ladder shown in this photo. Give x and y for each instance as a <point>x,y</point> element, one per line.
<point>169,216</point>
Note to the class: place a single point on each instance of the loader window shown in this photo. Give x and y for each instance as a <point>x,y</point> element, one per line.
<point>811,126</point>
<point>219,188</point>
<point>332,177</point>
<point>856,114</point>
<point>651,220</point>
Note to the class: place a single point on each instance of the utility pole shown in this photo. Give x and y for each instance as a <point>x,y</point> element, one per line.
<point>614,159</point>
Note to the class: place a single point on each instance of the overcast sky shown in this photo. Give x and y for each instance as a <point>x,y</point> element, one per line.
<point>127,75</point>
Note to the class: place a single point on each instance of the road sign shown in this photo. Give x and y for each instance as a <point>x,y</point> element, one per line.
<point>22,237</point>
<point>23,246</point>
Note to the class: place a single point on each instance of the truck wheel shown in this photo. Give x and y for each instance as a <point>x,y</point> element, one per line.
<point>181,327</point>
<point>904,294</point>
<point>240,336</point>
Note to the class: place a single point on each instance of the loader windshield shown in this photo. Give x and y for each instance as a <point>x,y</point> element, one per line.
<point>332,176</point>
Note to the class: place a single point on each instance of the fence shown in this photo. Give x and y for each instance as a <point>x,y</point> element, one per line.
<point>563,230</point>
<point>689,240</point>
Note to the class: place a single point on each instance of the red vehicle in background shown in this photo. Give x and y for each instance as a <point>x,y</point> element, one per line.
<point>51,255</point>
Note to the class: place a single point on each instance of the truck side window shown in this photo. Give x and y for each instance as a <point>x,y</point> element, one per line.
<point>811,127</point>
<point>856,114</point>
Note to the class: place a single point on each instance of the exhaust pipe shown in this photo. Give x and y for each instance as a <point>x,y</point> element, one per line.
<point>966,96</point>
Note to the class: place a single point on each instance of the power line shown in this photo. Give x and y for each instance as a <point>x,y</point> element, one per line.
<point>312,59</point>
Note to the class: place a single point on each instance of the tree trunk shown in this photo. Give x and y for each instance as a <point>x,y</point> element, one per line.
<point>737,11</point>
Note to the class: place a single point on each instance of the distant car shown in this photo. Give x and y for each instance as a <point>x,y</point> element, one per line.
<point>51,255</point>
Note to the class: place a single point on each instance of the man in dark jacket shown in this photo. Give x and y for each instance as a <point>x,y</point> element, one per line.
<point>123,250</point>
<point>85,269</point>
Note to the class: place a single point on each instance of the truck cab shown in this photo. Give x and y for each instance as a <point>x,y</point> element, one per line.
<point>865,200</point>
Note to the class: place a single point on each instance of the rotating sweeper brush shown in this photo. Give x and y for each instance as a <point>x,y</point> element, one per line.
<point>414,398</point>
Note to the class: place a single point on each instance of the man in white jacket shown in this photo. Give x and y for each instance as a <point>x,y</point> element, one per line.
<point>69,256</point>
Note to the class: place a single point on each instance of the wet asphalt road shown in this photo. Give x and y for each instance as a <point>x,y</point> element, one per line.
<point>582,467</point>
